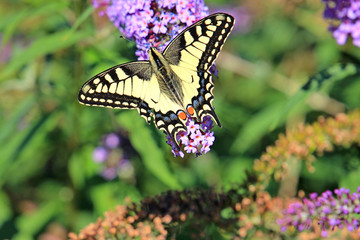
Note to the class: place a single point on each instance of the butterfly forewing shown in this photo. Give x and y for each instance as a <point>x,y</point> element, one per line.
<point>130,85</point>
<point>197,46</point>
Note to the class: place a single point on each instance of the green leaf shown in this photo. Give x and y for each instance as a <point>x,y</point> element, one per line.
<point>5,208</point>
<point>82,18</point>
<point>22,150</point>
<point>299,97</point>
<point>256,127</point>
<point>40,47</point>
<point>323,80</point>
<point>82,167</point>
<point>30,135</point>
<point>234,171</point>
<point>30,224</point>
<point>152,155</point>
<point>8,25</point>
<point>351,180</point>
<point>108,195</point>
<point>330,75</point>
<point>8,128</point>
<point>76,171</point>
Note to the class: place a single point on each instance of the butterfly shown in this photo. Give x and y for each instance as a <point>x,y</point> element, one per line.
<point>171,86</point>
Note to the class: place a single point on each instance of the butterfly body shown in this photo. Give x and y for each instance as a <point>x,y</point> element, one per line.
<point>169,82</point>
<point>171,85</point>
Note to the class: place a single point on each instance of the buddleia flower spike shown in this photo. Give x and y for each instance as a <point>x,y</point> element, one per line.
<point>152,23</point>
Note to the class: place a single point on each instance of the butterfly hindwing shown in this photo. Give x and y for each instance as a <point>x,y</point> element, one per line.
<point>130,85</point>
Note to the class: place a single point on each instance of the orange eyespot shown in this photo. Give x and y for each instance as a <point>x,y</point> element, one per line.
<point>182,115</point>
<point>190,110</point>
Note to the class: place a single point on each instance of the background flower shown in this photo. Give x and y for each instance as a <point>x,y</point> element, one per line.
<point>338,209</point>
<point>345,20</point>
<point>114,157</point>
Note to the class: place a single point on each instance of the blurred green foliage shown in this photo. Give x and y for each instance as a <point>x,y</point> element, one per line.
<point>49,183</point>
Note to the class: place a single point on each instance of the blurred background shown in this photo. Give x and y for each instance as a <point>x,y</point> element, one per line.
<point>63,164</point>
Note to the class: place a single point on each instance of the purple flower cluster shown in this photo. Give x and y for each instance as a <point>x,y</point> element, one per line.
<point>331,211</point>
<point>112,156</point>
<point>152,23</point>
<point>347,15</point>
<point>197,139</point>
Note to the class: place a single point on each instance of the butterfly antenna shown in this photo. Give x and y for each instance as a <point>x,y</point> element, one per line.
<point>125,38</point>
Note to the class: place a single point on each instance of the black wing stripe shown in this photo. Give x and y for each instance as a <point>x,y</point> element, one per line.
<point>113,75</point>
<point>193,34</point>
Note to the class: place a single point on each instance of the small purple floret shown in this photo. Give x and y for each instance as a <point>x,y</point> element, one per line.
<point>100,154</point>
<point>109,173</point>
<point>112,140</point>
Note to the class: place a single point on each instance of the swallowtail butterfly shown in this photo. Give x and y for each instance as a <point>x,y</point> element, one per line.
<point>169,86</point>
